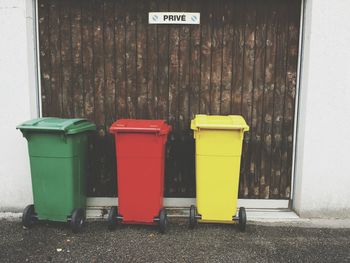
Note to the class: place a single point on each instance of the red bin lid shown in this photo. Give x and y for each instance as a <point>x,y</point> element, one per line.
<point>142,126</point>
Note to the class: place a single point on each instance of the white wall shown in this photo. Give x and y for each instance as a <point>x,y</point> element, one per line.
<point>17,100</point>
<point>322,182</point>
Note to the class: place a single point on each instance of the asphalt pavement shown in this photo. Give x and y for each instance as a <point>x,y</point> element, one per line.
<point>54,242</point>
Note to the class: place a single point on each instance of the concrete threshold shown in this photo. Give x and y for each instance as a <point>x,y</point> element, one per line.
<point>264,217</point>
<point>183,212</point>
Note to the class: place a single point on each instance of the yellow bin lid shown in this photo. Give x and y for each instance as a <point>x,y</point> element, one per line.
<point>218,122</point>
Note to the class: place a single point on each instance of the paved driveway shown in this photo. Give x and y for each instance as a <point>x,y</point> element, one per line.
<point>207,243</point>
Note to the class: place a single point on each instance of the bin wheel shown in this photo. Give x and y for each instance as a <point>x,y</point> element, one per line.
<point>193,217</point>
<point>163,221</point>
<point>112,218</point>
<point>29,216</point>
<point>242,219</point>
<point>78,220</point>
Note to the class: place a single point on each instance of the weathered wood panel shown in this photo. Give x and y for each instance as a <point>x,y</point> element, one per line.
<point>100,59</point>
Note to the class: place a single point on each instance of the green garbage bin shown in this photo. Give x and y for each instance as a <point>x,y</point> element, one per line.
<point>58,162</point>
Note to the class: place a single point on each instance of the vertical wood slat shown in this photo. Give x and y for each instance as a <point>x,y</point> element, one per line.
<point>102,60</point>
<point>77,84</point>
<point>98,64</point>
<point>237,57</point>
<point>247,91</point>
<point>267,111</point>
<point>142,58</point>
<point>87,59</point>
<point>55,57</point>
<point>184,66</point>
<point>130,58</point>
<point>173,86</point>
<point>66,60</point>
<point>289,99</point>
<point>185,139</point>
<point>152,66</point>
<point>280,72</point>
<point>109,61</point>
<point>216,57</point>
<point>206,48</point>
<point>227,53</point>
<point>110,90</point>
<point>195,68</point>
<point>88,84</point>
<point>257,100</point>
<point>174,175</point>
<point>163,63</point>
<point>45,74</point>
<point>99,96</point>
<point>119,34</point>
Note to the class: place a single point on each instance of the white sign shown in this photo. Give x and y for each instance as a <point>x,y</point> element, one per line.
<point>174,18</point>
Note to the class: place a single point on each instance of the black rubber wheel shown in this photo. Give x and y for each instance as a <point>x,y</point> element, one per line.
<point>78,220</point>
<point>112,218</point>
<point>29,216</point>
<point>163,221</point>
<point>242,219</point>
<point>193,217</point>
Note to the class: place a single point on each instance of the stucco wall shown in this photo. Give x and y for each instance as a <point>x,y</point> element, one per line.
<point>17,101</point>
<point>322,183</point>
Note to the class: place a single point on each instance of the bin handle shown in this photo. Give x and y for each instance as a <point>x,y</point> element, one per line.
<point>33,122</point>
<point>140,130</point>
<point>69,122</point>
<point>222,127</point>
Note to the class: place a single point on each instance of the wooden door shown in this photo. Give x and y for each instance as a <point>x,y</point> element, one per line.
<point>100,59</point>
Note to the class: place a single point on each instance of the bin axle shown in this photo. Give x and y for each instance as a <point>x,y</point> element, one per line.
<point>198,216</point>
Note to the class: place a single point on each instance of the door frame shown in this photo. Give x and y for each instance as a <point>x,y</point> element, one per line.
<point>186,202</point>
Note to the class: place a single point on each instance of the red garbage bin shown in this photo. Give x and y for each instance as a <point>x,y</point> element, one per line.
<point>140,153</point>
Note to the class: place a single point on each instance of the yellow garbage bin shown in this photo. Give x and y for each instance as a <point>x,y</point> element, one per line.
<point>218,158</point>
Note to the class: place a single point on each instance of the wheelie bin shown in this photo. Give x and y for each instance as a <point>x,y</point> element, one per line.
<point>140,154</point>
<point>218,157</point>
<point>58,162</point>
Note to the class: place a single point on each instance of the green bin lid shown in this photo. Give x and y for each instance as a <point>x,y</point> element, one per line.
<point>219,122</point>
<point>67,126</point>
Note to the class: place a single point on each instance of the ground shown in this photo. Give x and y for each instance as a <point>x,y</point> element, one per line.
<point>207,243</point>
